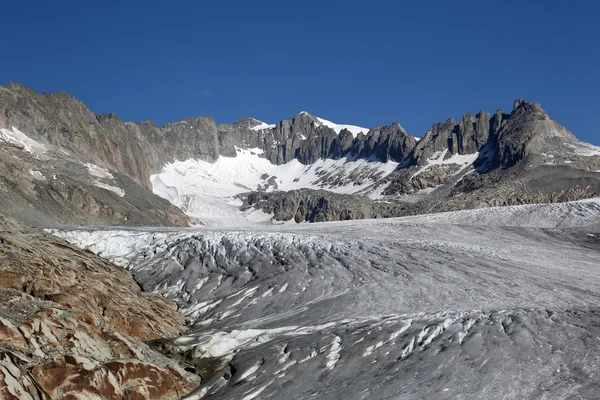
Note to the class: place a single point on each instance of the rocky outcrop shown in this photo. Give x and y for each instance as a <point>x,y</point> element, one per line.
<point>72,325</point>
<point>529,131</point>
<point>307,205</point>
<point>385,143</point>
<point>468,136</point>
<point>54,351</point>
<point>51,269</point>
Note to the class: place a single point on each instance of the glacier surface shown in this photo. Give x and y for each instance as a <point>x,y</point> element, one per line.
<point>492,303</point>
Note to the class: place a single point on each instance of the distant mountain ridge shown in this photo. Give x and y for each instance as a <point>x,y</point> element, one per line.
<point>482,160</point>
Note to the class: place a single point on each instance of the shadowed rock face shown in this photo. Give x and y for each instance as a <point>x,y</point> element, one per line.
<point>528,131</point>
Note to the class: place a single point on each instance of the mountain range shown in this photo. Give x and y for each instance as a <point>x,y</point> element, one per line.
<point>63,165</point>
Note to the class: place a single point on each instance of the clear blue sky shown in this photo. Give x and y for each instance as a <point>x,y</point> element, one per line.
<point>364,63</point>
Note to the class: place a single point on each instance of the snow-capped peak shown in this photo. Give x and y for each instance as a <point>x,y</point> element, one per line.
<point>355,130</point>
<point>261,125</point>
<point>336,127</point>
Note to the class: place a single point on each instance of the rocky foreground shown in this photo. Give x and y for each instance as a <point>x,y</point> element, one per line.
<point>73,326</point>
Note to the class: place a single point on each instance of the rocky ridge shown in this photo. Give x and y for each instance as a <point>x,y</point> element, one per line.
<point>522,157</point>
<point>481,160</point>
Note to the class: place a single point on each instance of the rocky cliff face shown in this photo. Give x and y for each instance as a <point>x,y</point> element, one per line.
<point>521,157</point>
<point>62,121</point>
<point>72,325</point>
<point>189,138</point>
<point>307,140</point>
<point>134,149</point>
<point>529,131</point>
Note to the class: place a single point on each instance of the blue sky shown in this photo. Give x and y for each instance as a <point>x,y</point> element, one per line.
<point>363,63</point>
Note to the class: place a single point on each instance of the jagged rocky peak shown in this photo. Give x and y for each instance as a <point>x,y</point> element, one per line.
<point>308,138</point>
<point>253,123</point>
<point>509,136</point>
<point>529,130</point>
<point>108,117</point>
<point>305,114</point>
<point>384,143</point>
<point>149,122</point>
<point>518,102</point>
<point>398,127</point>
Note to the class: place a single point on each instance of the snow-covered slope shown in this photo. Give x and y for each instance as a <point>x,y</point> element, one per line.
<point>354,130</point>
<point>402,308</point>
<point>21,140</point>
<point>206,190</point>
<point>262,125</point>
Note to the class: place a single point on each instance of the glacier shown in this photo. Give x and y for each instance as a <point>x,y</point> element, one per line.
<point>498,303</point>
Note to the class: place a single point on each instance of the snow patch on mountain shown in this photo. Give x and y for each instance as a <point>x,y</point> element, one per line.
<point>37,175</point>
<point>585,149</point>
<point>354,130</point>
<point>207,191</point>
<point>98,171</point>
<point>115,189</point>
<point>439,158</point>
<point>262,125</point>
<point>100,174</point>
<point>22,141</point>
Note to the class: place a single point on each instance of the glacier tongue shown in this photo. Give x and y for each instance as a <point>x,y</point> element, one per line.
<point>437,306</point>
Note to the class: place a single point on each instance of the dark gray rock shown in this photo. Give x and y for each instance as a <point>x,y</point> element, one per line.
<point>527,131</point>
<point>307,205</point>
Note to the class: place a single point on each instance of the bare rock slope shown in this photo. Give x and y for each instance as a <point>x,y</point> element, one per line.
<point>72,325</point>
